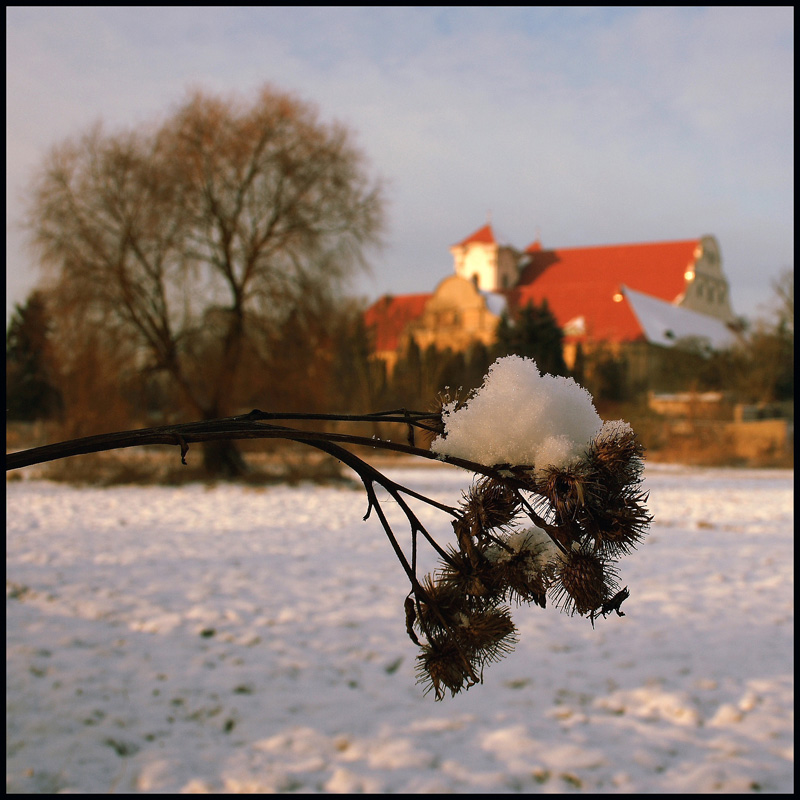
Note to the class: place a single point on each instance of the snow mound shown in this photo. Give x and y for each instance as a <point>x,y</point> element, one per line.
<point>521,417</point>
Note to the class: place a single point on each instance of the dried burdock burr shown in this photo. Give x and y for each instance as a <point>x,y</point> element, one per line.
<point>583,581</point>
<point>490,504</point>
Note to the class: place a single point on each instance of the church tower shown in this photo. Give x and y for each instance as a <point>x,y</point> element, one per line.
<point>490,266</point>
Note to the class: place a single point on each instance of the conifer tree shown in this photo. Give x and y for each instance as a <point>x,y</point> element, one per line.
<point>30,381</point>
<point>535,334</point>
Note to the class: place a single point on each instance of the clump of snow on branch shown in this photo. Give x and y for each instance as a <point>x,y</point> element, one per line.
<point>521,417</point>
<point>533,541</point>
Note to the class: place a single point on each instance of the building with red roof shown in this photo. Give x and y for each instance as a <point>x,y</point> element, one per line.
<point>590,291</point>
<point>389,316</point>
<point>589,283</point>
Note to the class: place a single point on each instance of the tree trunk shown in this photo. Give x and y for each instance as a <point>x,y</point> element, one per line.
<point>222,459</point>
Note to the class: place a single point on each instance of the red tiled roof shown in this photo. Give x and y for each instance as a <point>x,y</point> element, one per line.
<point>576,281</point>
<point>484,235</point>
<point>388,316</point>
<point>582,281</point>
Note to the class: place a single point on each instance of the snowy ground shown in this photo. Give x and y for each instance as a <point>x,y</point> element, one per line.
<point>229,639</point>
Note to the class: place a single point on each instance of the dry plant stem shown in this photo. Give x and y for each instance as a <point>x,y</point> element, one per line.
<point>250,426</point>
<point>451,659</point>
<point>403,415</point>
<point>537,520</point>
<point>369,477</point>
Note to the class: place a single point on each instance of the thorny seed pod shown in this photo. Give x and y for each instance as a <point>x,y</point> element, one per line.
<point>523,566</point>
<point>486,635</point>
<point>585,514</point>
<point>443,664</point>
<point>456,657</point>
<point>467,576</point>
<point>440,608</point>
<point>616,456</point>
<point>524,582</point>
<point>623,526</point>
<point>583,581</point>
<point>566,488</point>
<point>490,504</point>
<point>597,498</point>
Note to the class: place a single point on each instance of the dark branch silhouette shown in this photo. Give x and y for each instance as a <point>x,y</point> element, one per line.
<point>584,518</point>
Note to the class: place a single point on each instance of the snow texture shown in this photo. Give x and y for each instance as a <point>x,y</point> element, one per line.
<point>228,639</point>
<point>521,417</point>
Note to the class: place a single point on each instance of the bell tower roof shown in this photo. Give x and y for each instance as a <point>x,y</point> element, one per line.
<point>484,235</point>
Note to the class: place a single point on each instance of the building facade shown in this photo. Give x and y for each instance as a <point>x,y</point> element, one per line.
<point>662,293</point>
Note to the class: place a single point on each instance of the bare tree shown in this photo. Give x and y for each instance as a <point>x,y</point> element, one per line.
<point>195,239</point>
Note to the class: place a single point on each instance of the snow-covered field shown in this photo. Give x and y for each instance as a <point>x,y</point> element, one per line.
<point>231,639</point>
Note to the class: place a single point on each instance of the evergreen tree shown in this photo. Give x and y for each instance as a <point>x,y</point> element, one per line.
<point>406,383</point>
<point>445,368</point>
<point>358,380</point>
<point>535,334</point>
<point>30,390</point>
<point>479,358</point>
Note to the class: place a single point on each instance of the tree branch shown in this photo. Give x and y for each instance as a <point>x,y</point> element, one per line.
<point>251,426</point>
<point>459,609</point>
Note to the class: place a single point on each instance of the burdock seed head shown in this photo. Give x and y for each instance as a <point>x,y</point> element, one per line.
<point>616,455</point>
<point>568,489</point>
<point>583,581</point>
<point>443,665</point>
<point>523,565</point>
<point>486,635</point>
<point>490,504</point>
<point>467,576</point>
<point>441,606</point>
<point>623,525</point>
<point>454,659</point>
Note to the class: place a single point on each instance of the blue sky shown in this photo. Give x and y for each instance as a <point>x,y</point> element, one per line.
<point>580,125</point>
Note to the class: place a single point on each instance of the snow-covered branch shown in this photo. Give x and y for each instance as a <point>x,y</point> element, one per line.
<point>556,501</point>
